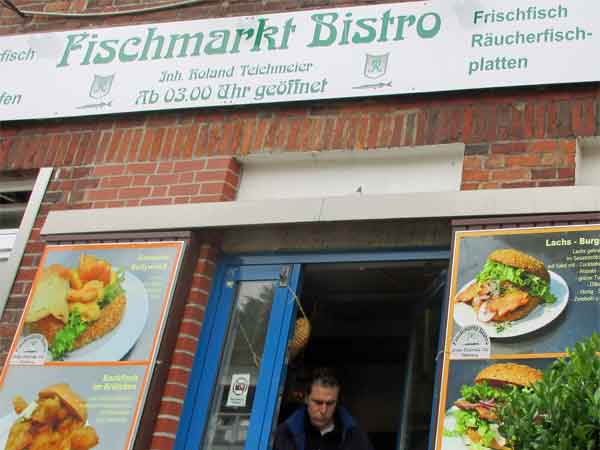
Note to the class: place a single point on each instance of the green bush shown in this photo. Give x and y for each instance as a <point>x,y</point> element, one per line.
<point>562,411</point>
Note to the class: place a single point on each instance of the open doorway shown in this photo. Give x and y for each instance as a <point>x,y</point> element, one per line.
<point>376,324</point>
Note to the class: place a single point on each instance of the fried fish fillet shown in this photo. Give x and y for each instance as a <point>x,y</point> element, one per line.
<point>109,318</point>
<point>520,312</point>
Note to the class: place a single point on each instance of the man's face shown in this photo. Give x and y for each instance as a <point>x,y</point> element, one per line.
<point>321,403</point>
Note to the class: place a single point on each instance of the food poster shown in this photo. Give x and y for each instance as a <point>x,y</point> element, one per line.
<point>518,299</point>
<point>79,368</point>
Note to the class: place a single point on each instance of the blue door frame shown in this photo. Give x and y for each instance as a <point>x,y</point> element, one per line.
<point>232,268</point>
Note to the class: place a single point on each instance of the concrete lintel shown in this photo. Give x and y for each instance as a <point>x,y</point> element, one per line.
<point>551,200</point>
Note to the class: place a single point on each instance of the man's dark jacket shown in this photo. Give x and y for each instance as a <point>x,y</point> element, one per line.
<point>290,435</point>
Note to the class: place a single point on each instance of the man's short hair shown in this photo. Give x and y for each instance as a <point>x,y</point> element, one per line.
<point>323,376</point>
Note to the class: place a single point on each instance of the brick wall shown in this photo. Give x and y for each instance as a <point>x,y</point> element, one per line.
<point>515,139</point>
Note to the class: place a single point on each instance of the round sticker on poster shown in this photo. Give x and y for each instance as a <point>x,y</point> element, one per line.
<point>471,342</point>
<point>31,350</point>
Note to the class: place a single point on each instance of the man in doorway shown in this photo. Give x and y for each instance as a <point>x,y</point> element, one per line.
<point>321,424</point>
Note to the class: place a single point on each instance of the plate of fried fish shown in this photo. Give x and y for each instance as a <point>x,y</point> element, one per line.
<point>514,294</point>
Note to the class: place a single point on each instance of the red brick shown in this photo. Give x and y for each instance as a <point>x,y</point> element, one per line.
<point>108,182</point>
<point>146,145</point>
<point>201,141</point>
<point>568,146</point>
<point>185,189</point>
<point>509,148</point>
<point>540,121</point>
<point>168,144</point>
<point>108,170</point>
<point>544,146</point>
<point>178,375</point>
<point>156,201</point>
<point>197,298</point>
<point>139,180</point>
<point>25,274</point>
<point>174,390</point>
<point>185,166</point>
<point>490,186</point>
<point>213,188</point>
<point>247,134</point>
<point>105,194</point>
<point>162,443</point>
<point>134,148</point>
<point>472,162</point>
<point>124,146</point>
<point>157,143</point>
<point>554,183</point>
<point>475,175</point>
<point>566,172</point>
<point>204,267</point>
<point>187,177</point>
<point>170,408</point>
<point>187,344</point>
<point>159,191</point>
<point>201,282</point>
<point>510,175</point>
<point>139,168</point>
<point>193,329</point>
<point>166,425</point>
<point>523,160</point>
<point>518,185</point>
<point>115,142</point>
<point>543,174</point>
<point>182,359</point>
<point>158,180</point>
<point>179,143</point>
<point>134,193</point>
<point>164,167</point>
<point>222,163</point>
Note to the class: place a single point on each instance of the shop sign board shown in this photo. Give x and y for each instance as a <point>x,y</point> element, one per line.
<point>551,303</point>
<point>84,352</point>
<point>363,51</point>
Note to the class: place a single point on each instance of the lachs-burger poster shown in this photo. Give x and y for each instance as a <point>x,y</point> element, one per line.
<point>80,365</point>
<point>518,299</point>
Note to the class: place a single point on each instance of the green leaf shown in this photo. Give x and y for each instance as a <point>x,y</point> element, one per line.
<point>562,410</point>
<point>113,290</point>
<point>535,285</point>
<point>64,340</point>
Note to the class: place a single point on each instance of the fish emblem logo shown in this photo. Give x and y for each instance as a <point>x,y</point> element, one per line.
<point>101,86</point>
<point>376,65</point>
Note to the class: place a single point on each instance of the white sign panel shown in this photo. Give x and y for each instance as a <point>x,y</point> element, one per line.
<point>238,391</point>
<point>328,53</point>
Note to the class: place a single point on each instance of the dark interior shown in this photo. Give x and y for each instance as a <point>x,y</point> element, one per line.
<point>15,190</point>
<point>364,317</point>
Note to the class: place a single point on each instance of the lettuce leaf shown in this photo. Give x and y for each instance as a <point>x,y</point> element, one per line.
<point>483,392</point>
<point>535,285</point>
<point>64,340</point>
<point>113,290</point>
<point>466,420</point>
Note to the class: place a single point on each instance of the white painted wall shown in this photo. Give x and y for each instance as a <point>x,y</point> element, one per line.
<point>587,162</point>
<point>340,173</point>
<point>7,240</point>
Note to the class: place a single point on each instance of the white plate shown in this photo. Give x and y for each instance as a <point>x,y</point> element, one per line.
<point>541,316</point>
<point>453,442</point>
<point>114,345</point>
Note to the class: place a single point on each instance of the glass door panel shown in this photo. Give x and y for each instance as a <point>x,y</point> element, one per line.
<point>235,389</point>
<point>239,367</point>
